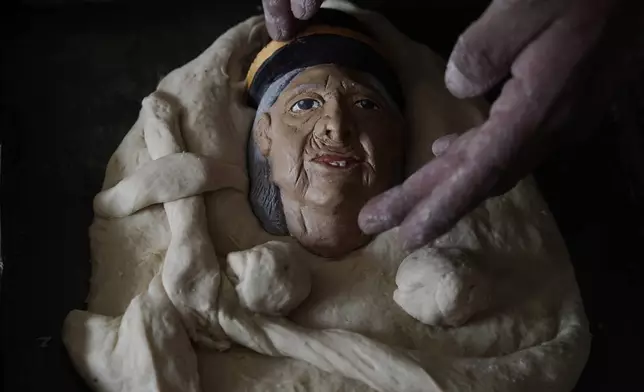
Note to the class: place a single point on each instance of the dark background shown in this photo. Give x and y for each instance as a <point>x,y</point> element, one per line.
<point>73,74</point>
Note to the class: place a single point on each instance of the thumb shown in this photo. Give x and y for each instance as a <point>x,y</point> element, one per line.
<point>280,21</point>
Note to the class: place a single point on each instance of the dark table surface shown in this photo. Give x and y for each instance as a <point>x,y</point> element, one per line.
<point>73,74</point>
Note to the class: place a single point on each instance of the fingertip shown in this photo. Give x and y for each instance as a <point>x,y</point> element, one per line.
<point>381,213</point>
<point>413,238</point>
<point>276,31</point>
<point>272,31</point>
<point>458,84</point>
<point>371,220</point>
<point>441,144</point>
<point>280,22</point>
<point>371,224</point>
<point>431,218</point>
<point>305,9</point>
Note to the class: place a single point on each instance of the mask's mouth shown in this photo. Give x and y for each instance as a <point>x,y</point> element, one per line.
<point>337,161</point>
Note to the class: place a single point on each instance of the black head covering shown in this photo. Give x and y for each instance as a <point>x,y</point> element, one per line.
<point>328,47</point>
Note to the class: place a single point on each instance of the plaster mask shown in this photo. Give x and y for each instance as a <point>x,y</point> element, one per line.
<point>333,141</point>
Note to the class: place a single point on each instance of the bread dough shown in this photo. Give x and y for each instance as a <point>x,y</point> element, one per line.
<point>447,290</point>
<point>501,312</point>
<point>271,278</point>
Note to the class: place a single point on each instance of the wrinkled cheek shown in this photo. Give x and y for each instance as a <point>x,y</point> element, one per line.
<point>368,174</point>
<point>288,166</point>
<point>387,168</point>
<point>288,175</point>
<point>368,177</point>
<point>284,173</point>
<point>323,192</point>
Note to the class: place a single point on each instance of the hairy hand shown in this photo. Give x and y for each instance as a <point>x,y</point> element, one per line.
<point>539,43</point>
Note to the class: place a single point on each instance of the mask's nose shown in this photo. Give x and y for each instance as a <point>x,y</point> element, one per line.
<point>335,126</point>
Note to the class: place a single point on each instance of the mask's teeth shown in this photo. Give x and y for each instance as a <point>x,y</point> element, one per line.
<point>338,163</point>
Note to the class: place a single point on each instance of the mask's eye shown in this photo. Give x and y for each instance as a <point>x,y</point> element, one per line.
<point>367,104</point>
<point>305,104</point>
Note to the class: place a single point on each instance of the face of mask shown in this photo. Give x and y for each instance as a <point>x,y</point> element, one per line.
<point>333,141</point>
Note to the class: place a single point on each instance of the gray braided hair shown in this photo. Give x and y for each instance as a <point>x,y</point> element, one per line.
<point>265,199</point>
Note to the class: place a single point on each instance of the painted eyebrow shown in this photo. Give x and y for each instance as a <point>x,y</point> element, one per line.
<point>372,86</point>
<point>306,87</point>
<point>314,86</point>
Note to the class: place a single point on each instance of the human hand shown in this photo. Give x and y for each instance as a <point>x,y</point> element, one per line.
<point>540,42</point>
<point>282,16</point>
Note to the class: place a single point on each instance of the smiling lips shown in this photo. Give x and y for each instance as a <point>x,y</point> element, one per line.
<point>337,161</point>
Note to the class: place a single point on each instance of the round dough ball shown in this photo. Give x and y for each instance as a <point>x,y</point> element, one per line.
<point>272,278</point>
<point>439,287</point>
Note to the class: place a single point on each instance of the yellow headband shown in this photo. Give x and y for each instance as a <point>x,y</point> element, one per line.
<point>274,46</point>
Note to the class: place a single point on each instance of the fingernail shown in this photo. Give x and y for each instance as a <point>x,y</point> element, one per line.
<point>373,220</point>
<point>457,83</point>
<point>441,144</point>
<point>369,223</point>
